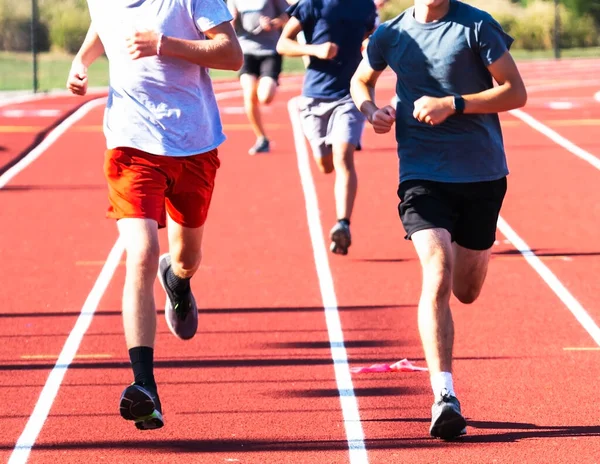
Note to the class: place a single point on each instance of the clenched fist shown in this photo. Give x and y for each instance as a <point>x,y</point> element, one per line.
<point>77,82</point>
<point>433,111</point>
<point>383,119</point>
<point>142,44</point>
<point>327,51</point>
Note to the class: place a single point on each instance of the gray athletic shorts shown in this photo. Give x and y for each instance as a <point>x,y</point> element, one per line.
<point>326,122</point>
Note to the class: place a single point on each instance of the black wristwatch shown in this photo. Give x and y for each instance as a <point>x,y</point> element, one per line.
<point>459,104</point>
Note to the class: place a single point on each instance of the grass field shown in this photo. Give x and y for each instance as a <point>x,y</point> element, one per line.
<point>16,71</point>
<point>16,68</point>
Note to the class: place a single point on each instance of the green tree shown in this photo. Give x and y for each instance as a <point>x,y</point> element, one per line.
<point>582,7</point>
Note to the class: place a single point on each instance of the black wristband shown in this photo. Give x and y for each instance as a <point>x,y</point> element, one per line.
<point>459,104</point>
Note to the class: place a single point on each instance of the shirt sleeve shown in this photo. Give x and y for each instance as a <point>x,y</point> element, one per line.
<point>210,13</point>
<point>303,12</point>
<point>375,55</point>
<point>493,41</point>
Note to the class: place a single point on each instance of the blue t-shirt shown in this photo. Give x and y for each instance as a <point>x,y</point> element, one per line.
<point>343,22</point>
<point>446,57</point>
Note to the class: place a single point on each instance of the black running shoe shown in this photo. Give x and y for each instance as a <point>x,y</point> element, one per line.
<point>447,421</point>
<point>340,238</point>
<point>141,405</point>
<point>181,312</point>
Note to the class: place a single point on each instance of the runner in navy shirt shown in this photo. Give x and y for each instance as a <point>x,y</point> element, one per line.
<point>334,32</point>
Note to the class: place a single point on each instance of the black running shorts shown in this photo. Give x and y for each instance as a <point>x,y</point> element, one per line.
<point>469,211</point>
<point>262,66</point>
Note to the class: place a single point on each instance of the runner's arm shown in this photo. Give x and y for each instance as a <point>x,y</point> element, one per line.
<point>510,93</point>
<point>280,21</point>
<point>91,49</point>
<point>362,89</point>
<point>221,50</point>
<point>289,46</point>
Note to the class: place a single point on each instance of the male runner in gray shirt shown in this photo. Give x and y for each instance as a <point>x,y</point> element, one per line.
<point>258,25</point>
<point>453,169</point>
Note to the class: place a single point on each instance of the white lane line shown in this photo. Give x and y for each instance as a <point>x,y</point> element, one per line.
<point>26,97</point>
<point>49,140</point>
<point>553,282</point>
<point>557,138</point>
<point>44,403</point>
<point>349,403</point>
<point>26,441</point>
<point>561,105</point>
<point>41,113</point>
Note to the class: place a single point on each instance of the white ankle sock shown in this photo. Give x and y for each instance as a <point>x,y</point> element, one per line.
<point>440,382</point>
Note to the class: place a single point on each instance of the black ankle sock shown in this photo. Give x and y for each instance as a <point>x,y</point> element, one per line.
<point>142,363</point>
<point>178,285</point>
<point>345,221</point>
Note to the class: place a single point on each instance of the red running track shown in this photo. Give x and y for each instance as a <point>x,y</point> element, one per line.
<point>257,385</point>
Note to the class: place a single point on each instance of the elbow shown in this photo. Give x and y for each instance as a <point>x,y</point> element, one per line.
<point>519,95</point>
<point>236,59</point>
<point>281,48</point>
<point>522,97</point>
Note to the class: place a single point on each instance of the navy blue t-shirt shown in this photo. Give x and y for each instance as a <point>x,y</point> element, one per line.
<point>343,22</point>
<point>438,59</point>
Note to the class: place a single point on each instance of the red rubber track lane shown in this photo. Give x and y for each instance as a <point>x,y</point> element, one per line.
<point>22,125</point>
<point>259,375</point>
<point>524,395</point>
<point>46,233</point>
<point>256,384</point>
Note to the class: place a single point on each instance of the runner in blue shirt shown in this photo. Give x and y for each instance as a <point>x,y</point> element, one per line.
<point>334,31</point>
<point>446,55</point>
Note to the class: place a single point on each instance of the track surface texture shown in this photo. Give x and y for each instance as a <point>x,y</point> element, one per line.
<point>266,379</point>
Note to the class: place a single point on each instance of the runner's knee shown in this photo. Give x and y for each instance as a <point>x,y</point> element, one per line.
<point>466,294</point>
<point>266,91</point>
<point>437,279</point>
<point>144,256</point>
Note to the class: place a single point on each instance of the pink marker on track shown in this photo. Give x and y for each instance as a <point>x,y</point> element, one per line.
<point>401,366</point>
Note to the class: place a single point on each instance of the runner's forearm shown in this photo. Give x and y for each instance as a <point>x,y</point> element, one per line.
<point>290,47</point>
<point>91,49</point>
<point>504,97</point>
<point>220,52</point>
<point>363,95</point>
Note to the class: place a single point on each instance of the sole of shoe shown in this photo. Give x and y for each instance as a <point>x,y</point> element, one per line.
<point>138,406</point>
<point>449,425</point>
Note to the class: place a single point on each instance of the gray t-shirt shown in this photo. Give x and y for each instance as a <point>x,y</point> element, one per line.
<point>253,39</point>
<point>446,57</point>
<point>159,104</point>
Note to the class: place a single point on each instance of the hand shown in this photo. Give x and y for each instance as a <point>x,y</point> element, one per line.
<point>142,43</point>
<point>433,111</point>
<point>383,119</point>
<point>277,23</point>
<point>326,51</point>
<point>77,82</point>
<point>265,23</point>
